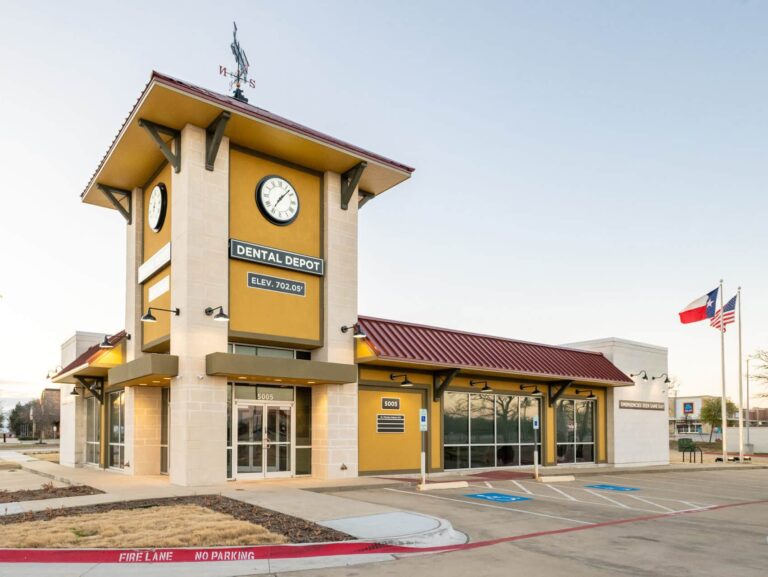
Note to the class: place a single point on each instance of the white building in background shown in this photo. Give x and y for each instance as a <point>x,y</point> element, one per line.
<point>638,412</point>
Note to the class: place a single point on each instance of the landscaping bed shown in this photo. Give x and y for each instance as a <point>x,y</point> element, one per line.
<point>48,491</point>
<point>201,520</point>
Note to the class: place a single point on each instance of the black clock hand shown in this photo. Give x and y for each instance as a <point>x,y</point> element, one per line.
<point>281,198</point>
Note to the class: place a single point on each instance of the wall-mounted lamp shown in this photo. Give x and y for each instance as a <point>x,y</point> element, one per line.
<point>536,391</point>
<point>107,344</point>
<point>220,316</point>
<point>150,318</point>
<point>404,383</point>
<point>74,392</point>
<point>666,378</point>
<point>485,389</point>
<point>357,331</point>
<point>590,396</point>
<point>642,374</point>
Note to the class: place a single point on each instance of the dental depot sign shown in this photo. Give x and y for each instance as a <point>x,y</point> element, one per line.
<point>260,254</point>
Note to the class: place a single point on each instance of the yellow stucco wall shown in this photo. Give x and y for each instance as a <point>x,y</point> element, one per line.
<point>262,314</point>
<point>154,241</point>
<point>154,333</point>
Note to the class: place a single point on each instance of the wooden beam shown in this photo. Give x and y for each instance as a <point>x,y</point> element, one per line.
<point>349,182</point>
<point>364,198</point>
<point>561,387</point>
<point>155,131</point>
<point>441,381</point>
<point>94,384</point>
<point>213,136</point>
<point>111,193</point>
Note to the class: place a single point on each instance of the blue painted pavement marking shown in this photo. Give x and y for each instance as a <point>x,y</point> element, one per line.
<point>498,497</point>
<point>612,488</point>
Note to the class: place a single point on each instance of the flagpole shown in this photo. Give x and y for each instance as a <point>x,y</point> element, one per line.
<point>723,411</point>
<point>741,399</point>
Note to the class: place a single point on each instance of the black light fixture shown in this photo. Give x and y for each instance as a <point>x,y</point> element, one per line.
<point>642,374</point>
<point>666,378</point>
<point>536,391</point>
<point>357,331</point>
<point>220,316</point>
<point>73,392</point>
<point>486,388</point>
<point>107,343</point>
<point>150,318</point>
<point>591,396</point>
<point>404,383</point>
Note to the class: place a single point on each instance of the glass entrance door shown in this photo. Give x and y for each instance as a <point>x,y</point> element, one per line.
<point>265,440</point>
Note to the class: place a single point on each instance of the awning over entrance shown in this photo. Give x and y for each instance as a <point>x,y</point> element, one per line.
<point>149,369</point>
<point>268,369</point>
<point>397,343</point>
<point>95,362</point>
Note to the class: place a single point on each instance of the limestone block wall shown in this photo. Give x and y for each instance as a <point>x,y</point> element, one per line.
<point>334,407</point>
<point>199,279</point>
<point>72,424</point>
<point>145,427</point>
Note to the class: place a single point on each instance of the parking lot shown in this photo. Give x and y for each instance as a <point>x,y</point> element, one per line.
<point>686,523</point>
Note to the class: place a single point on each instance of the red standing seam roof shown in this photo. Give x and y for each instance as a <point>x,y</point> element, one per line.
<point>408,342</point>
<point>90,353</point>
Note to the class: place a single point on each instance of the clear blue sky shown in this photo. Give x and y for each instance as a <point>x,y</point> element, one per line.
<point>584,169</point>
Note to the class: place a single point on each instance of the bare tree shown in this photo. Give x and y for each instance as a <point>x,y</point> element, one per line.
<point>761,374</point>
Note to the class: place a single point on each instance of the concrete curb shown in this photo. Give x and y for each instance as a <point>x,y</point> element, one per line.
<point>639,470</point>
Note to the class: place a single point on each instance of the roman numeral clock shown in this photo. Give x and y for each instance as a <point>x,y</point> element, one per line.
<point>277,200</point>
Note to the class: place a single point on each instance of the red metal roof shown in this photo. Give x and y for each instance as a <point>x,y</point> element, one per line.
<point>91,353</point>
<point>408,342</point>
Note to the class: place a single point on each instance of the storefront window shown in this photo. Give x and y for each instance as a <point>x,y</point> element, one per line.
<point>575,431</point>
<point>303,431</point>
<point>488,430</point>
<point>93,430</point>
<point>116,406</point>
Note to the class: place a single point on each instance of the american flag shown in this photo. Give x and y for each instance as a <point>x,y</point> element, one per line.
<point>729,316</point>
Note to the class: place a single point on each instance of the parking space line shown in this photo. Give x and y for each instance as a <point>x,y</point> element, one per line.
<point>563,493</point>
<point>620,504</point>
<point>652,503</point>
<point>534,513</point>
<point>522,487</point>
<point>680,487</point>
<point>487,484</point>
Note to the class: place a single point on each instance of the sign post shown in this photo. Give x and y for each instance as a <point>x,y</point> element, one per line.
<point>536,448</point>
<point>423,429</point>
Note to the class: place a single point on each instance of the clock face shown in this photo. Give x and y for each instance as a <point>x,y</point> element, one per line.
<point>156,208</point>
<point>277,200</point>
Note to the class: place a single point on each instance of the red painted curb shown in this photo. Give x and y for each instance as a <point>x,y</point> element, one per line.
<point>214,554</point>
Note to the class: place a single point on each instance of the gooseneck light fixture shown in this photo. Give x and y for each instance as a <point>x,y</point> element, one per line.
<point>150,318</point>
<point>357,331</point>
<point>107,343</point>
<point>485,389</point>
<point>666,378</point>
<point>74,392</point>
<point>642,374</point>
<point>404,383</point>
<point>536,391</point>
<point>220,316</point>
<point>591,396</point>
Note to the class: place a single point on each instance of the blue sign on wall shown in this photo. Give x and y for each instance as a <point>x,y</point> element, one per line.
<point>612,488</point>
<point>498,497</point>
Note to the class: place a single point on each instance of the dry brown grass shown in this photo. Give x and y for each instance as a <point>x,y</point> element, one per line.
<point>173,526</point>
<point>50,457</point>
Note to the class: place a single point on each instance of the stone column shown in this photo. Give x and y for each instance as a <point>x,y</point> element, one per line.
<point>134,249</point>
<point>144,428</point>
<point>334,407</point>
<point>72,423</point>
<point>199,279</point>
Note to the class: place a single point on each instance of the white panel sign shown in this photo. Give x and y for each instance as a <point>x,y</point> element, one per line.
<point>159,288</point>
<point>154,263</point>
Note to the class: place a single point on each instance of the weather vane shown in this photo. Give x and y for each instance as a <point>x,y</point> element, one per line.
<point>241,76</point>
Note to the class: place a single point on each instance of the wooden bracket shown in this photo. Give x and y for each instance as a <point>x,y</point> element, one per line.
<point>364,198</point>
<point>213,136</point>
<point>156,131</point>
<point>349,182</point>
<point>441,381</point>
<point>95,385</point>
<point>561,387</point>
<point>112,193</point>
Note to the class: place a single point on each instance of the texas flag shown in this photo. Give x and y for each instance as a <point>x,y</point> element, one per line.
<point>700,309</point>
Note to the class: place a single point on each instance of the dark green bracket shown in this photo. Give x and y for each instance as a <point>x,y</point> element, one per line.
<point>561,387</point>
<point>441,381</point>
<point>364,198</point>
<point>112,194</point>
<point>213,136</point>
<point>156,131</point>
<point>93,384</point>
<point>349,181</point>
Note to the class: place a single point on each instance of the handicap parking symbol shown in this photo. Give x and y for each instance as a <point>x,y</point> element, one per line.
<point>498,497</point>
<point>612,488</point>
